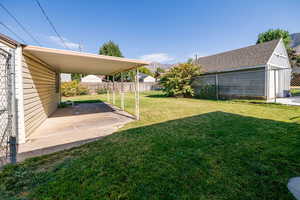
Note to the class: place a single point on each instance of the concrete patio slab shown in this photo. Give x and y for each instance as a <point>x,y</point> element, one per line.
<point>73,126</point>
<point>294,101</point>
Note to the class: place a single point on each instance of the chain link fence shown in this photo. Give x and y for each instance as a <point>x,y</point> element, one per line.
<point>127,86</point>
<point>7,141</point>
<point>295,85</point>
<point>295,82</point>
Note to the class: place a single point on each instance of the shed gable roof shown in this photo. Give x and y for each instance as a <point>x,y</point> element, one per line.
<point>244,57</point>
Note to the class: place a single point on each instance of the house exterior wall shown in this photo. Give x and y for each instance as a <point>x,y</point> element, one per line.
<point>279,57</point>
<point>236,84</point>
<point>149,79</point>
<point>279,81</point>
<point>278,73</point>
<point>41,92</point>
<point>19,95</point>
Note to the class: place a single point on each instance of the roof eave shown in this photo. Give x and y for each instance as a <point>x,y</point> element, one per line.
<point>10,41</point>
<point>244,68</point>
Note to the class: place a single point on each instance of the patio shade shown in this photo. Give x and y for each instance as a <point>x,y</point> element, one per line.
<point>66,61</point>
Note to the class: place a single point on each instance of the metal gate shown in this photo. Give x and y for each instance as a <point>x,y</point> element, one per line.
<point>7,138</point>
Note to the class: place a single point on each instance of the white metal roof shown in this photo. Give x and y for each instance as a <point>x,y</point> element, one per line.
<point>78,62</point>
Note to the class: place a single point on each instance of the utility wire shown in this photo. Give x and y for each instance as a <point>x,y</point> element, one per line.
<point>9,29</point>
<point>51,24</point>
<point>19,23</point>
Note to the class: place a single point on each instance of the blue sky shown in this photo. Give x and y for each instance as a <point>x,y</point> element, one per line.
<point>167,31</point>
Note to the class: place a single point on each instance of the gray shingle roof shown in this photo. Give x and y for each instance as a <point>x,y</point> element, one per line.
<point>142,76</point>
<point>245,57</point>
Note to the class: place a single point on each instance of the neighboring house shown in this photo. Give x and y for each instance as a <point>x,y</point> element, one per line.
<point>64,77</point>
<point>146,78</point>
<point>92,79</point>
<point>259,71</point>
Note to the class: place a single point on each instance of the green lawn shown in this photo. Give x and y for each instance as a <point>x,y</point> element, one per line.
<point>180,149</point>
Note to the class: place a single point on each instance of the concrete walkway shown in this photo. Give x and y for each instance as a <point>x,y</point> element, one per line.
<point>294,101</point>
<point>73,126</point>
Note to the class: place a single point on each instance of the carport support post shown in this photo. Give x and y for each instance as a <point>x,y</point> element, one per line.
<point>107,90</point>
<point>137,95</point>
<point>122,92</point>
<point>114,95</point>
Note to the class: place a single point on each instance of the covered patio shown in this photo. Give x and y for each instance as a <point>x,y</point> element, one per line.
<point>80,123</point>
<point>73,126</point>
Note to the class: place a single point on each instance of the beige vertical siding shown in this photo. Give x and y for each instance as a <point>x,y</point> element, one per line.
<point>40,95</point>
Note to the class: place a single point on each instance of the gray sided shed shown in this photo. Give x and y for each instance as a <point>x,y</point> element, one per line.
<point>259,71</point>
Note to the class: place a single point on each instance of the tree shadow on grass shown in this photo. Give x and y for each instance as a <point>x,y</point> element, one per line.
<point>157,96</point>
<point>215,155</point>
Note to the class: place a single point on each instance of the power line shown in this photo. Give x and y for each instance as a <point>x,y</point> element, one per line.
<point>51,24</point>
<point>19,23</point>
<point>12,32</point>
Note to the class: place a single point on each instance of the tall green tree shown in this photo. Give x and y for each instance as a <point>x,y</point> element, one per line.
<point>190,60</point>
<point>76,77</point>
<point>158,72</point>
<point>274,34</point>
<point>145,70</point>
<point>110,49</point>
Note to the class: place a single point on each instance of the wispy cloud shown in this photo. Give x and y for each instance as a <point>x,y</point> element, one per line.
<point>157,57</point>
<point>69,44</point>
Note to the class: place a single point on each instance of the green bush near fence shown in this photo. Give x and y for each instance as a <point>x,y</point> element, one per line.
<point>295,91</point>
<point>207,92</point>
<point>177,81</point>
<point>73,88</point>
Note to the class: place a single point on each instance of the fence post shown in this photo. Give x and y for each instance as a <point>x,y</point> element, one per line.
<point>217,86</point>
<point>13,149</point>
<point>137,96</point>
<point>14,112</point>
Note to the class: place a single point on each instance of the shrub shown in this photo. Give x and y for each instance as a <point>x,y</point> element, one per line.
<point>82,90</point>
<point>101,91</point>
<point>177,81</point>
<point>208,92</point>
<point>73,88</point>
